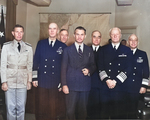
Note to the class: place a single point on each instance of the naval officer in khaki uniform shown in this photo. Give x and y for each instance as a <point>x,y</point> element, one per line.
<point>16,73</point>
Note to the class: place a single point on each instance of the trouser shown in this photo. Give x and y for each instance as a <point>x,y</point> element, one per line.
<point>15,103</point>
<point>133,99</point>
<point>46,104</point>
<point>76,105</point>
<point>113,104</point>
<point>94,104</point>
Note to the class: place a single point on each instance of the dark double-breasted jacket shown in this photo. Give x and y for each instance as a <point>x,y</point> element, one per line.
<point>72,65</point>
<point>47,61</point>
<point>140,74</point>
<point>115,65</point>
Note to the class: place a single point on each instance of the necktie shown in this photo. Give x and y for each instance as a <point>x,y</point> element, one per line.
<point>115,48</point>
<point>51,44</point>
<point>80,51</point>
<point>19,46</point>
<point>95,49</point>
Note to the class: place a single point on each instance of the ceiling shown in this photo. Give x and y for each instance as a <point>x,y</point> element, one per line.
<point>39,2</point>
<point>124,2</point>
<point>47,2</point>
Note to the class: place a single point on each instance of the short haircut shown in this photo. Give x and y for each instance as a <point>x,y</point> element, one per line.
<point>96,31</point>
<point>17,25</point>
<point>113,29</point>
<point>80,28</point>
<point>63,30</point>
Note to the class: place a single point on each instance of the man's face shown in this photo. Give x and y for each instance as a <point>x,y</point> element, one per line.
<point>115,35</point>
<point>18,33</point>
<point>79,36</point>
<point>53,29</point>
<point>96,38</point>
<point>63,36</point>
<point>133,42</point>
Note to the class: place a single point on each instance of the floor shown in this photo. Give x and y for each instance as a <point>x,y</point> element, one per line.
<point>27,117</point>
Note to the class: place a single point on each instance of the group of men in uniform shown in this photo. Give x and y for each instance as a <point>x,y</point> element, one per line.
<point>97,82</point>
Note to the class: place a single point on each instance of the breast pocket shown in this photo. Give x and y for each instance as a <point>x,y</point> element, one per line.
<point>24,56</point>
<point>12,57</point>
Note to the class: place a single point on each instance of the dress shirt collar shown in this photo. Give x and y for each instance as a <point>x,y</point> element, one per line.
<point>50,41</point>
<point>77,46</point>
<point>93,46</point>
<point>117,45</point>
<point>16,42</point>
<point>134,50</point>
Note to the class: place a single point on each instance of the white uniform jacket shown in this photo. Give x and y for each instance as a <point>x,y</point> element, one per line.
<point>16,67</point>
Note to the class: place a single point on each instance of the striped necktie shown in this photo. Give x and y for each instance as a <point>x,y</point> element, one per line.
<point>80,52</point>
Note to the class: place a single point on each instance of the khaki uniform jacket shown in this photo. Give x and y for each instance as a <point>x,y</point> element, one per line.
<point>16,67</point>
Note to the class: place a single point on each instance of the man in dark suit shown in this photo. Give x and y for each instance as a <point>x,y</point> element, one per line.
<point>138,80</point>
<point>47,61</point>
<point>96,83</point>
<point>77,66</point>
<point>114,64</point>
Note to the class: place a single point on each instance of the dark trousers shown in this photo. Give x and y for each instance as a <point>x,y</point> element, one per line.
<point>46,104</point>
<point>62,105</point>
<point>76,105</point>
<point>93,109</point>
<point>133,99</point>
<point>113,105</point>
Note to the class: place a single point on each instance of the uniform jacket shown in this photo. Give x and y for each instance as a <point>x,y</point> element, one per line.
<point>140,74</point>
<point>47,61</point>
<point>72,65</point>
<point>115,65</point>
<point>96,82</point>
<point>16,67</point>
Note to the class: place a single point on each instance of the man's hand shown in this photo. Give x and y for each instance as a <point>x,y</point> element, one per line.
<point>29,85</point>
<point>4,86</point>
<point>65,89</point>
<point>35,83</point>
<point>85,71</point>
<point>142,90</point>
<point>111,83</point>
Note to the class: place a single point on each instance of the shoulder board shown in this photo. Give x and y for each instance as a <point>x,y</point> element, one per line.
<point>7,42</point>
<point>28,44</point>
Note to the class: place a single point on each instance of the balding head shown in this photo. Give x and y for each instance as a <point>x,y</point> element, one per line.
<point>53,30</point>
<point>115,35</point>
<point>133,41</point>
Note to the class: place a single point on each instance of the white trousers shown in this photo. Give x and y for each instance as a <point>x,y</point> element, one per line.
<point>15,103</point>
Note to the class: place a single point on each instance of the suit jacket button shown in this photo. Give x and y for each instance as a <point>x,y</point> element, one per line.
<point>45,59</point>
<point>45,72</point>
<point>134,67</point>
<point>45,66</point>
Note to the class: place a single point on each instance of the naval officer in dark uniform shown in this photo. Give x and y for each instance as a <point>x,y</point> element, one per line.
<point>94,95</point>
<point>138,80</point>
<point>47,61</point>
<point>114,65</point>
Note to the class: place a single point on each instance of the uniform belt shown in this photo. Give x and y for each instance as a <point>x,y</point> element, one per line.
<point>16,67</point>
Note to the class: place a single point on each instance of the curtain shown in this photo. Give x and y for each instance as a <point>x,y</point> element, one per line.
<point>10,18</point>
<point>90,22</point>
